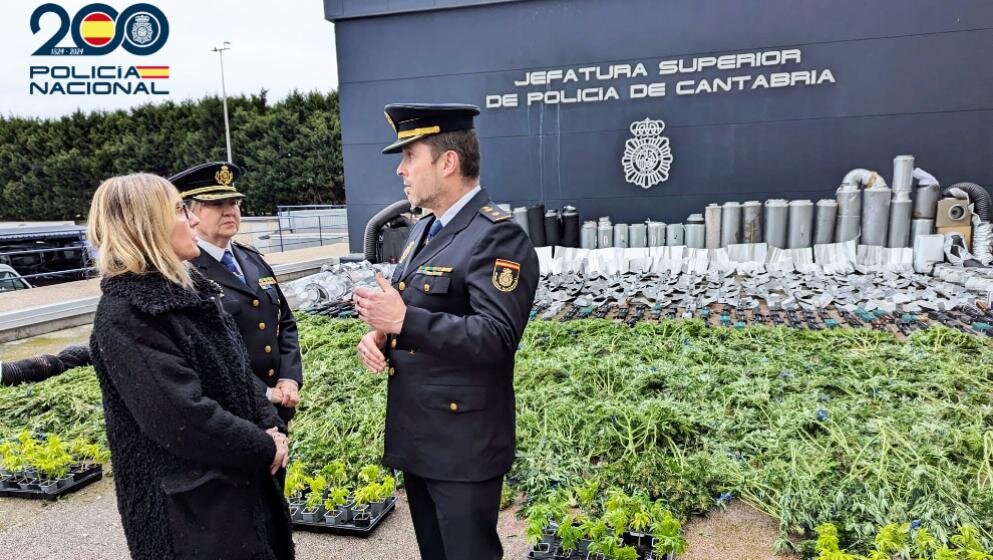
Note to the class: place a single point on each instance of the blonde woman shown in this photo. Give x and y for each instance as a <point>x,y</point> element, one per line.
<point>193,441</point>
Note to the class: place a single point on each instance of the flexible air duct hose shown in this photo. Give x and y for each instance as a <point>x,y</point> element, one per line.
<point>369,239</point>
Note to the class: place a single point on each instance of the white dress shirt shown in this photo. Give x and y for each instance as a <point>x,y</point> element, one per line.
<point>459,205</point>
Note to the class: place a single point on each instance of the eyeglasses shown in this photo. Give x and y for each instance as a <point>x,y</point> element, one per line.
<point>236,202</point>
<point>184,209</point>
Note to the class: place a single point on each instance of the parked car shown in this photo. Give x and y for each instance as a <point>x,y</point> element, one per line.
<point>10,280</point>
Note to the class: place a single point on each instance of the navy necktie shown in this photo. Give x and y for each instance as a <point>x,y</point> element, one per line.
<point>228,261</point>
<point>435,228</point>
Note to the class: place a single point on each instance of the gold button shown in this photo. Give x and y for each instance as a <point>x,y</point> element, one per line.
<point>393,343</point>
<point>268,348</point>
<point>255,303</point>
<point>453,407</point>
<point>401,286</point>
<point>261,326</point>
<point>392,371</point>
<point>272,372</point>
<point>427,287</point>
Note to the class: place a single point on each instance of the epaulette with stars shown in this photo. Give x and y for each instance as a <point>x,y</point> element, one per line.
<point>494,213</point>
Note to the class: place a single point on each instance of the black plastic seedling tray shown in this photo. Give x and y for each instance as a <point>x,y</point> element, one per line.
<point>79,480</point>
<point>348,528</point>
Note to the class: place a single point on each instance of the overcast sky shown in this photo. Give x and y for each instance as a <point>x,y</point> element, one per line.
<point>279,46</point>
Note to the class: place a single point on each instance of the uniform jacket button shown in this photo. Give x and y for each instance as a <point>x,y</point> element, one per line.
<point>255,303</point>
<point>453,406</point>
<point>392,371</point>
<point>261,326</point>
<point>268,348</point>
<point>272,372</point>
<point>401,286</point>
<point>427,287</point>
<point>393,343</point>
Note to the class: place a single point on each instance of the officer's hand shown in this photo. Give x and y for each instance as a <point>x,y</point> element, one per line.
<point>370,350</point>
<point>383,310</point>
<point>290,392</point>
<point>276,395</point>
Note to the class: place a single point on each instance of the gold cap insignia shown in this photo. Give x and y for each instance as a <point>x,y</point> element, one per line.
<point>224,177</point>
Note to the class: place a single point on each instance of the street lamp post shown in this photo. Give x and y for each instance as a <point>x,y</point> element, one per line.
<point>224,97</point>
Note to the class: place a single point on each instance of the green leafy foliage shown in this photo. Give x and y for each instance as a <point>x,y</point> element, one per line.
<point>292,149</point>
<point>850,427</point>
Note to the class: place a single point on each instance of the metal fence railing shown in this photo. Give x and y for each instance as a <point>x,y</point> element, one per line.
<point>299,226</point>
<point>43,256</point>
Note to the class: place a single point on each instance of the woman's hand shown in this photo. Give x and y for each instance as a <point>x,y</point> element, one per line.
<point>282,455</point>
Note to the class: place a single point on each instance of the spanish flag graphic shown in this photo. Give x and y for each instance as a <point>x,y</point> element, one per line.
<point>153,72</point>
<point>97,29</point>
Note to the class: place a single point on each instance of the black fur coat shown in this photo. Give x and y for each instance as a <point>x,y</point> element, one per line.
<point>185,423</point>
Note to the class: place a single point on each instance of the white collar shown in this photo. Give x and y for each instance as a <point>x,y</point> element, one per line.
<point>214,250</point>
<point>450,214</point>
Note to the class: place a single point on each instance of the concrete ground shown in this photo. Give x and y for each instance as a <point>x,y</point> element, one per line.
<point>86,525</point>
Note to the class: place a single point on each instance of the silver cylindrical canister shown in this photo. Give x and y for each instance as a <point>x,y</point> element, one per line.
<point>604,236</point>
<point>827,214</point>
<point>776,220</point>
<point>901,207</point>
<point>730,224</point>
<point>926,201</point>
<point>849,221</point>
<point>695,232</point>
<point>801,224</point>
<point>903,173</point>
<point>637,236</point>
<point>521,217</point>
<point>712,222</point>
<point>587,235</point>
<point>920,226</point>
<point>621,236</point>
<point>656,234</point>
<point>674,234</point>
<point>751,222</point>
<point>875,215</point>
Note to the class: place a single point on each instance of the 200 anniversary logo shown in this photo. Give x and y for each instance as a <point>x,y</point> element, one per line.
<point>99,29</point>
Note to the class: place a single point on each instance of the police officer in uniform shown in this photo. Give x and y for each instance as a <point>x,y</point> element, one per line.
<point>251,294</point>
<point>445,328</point>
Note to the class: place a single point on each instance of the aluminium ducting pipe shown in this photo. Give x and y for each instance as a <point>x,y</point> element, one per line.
<point>370,237</point>
<point>824,221</point>
<point>849,222</point>
<point>751,222</point>
<point>863,177</point>
<point>920,226</point>
<point>712,223</point>
<point>587,235</point>
<point>901,208</point>
<point>656,234</point>
<point>674,235</point>
<point>776,220</point>
<point>730,224</point>
<point>637,236</point>
<point>801,223</point>
<point>521,217</point>
<point>903,173</point>
<point>604,235</point>
<point>695,232</point>
<point>875,215</point>
<point>621,236</point>
<point>926,196</point>
<point>978,196</point>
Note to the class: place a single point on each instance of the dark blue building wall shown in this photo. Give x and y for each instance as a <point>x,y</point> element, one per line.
<point>912,77</point>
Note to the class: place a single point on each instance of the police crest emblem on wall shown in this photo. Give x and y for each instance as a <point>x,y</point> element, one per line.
<point>647,156</point>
